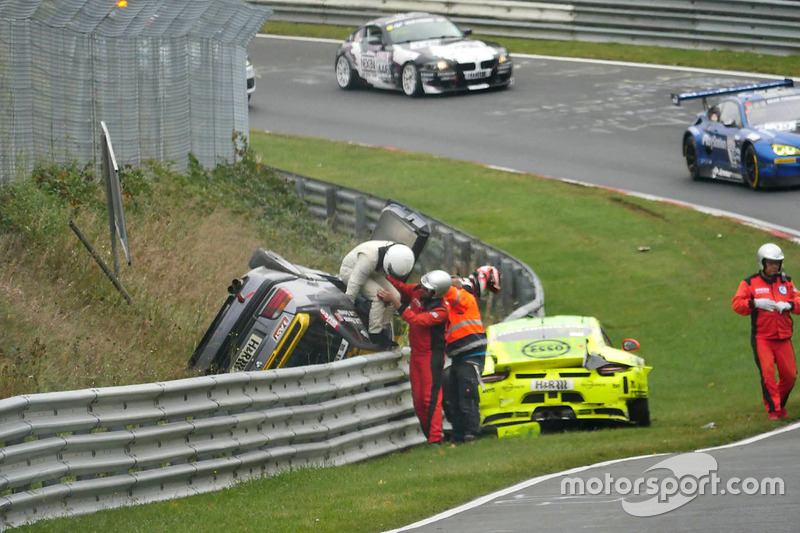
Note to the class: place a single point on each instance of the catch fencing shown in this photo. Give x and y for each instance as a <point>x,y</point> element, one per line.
<point>76,452</point>
<point>351,211</point>
<point>167,78</point>
<point>761,26</point>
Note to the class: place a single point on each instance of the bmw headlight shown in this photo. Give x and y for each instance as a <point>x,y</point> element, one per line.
<point>785,149</point>
<point>502,59</point>
<point>438,65</point>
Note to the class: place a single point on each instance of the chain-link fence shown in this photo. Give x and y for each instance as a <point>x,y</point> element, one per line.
<point>167,78</point>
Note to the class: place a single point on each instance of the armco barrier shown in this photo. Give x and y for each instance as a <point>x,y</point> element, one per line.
<point>356,212</point>
<point>762,26</point>
<point>76,452</point>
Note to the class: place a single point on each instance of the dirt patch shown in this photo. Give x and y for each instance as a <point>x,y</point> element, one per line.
<point>636,208</point>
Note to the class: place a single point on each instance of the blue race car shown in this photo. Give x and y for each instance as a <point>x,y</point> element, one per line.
<point>750,136</point>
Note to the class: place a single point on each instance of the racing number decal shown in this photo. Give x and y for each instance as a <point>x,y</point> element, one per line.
<point>384,65</point>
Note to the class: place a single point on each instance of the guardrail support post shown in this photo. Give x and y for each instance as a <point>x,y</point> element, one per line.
<point>361,217</point>
<point>330,203</point>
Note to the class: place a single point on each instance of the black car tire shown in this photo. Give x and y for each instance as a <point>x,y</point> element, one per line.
<point>410,80</point>
<point>690,153</point>
<point>751,174</point>
<point>639,412</point>
<point>346,76</point>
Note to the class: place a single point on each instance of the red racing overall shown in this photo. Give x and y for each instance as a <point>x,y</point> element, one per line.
<point>771,335</point>
<point>426,324</point>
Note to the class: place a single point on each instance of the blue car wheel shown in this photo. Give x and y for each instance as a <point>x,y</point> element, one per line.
<point>690,153</point>
<point>751,174</point>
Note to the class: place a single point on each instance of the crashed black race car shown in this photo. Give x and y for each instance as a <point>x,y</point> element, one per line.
<point>420,53</point>
<point>281,315</point>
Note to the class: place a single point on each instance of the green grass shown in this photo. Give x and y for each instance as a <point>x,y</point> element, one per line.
<point>583,242</point>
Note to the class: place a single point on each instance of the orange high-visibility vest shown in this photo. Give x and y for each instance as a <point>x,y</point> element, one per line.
<point>465,333</point>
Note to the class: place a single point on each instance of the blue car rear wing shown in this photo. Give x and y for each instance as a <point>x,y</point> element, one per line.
<point>678,98</point>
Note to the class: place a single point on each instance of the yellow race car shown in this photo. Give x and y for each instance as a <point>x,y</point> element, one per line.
<point>559,368</point>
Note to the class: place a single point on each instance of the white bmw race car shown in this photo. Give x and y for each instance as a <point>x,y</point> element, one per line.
<point>420,53</point>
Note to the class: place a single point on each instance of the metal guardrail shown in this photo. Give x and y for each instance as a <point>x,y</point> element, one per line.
<point>76,452</point>
<point>356,212</point>
<point>762,26</point>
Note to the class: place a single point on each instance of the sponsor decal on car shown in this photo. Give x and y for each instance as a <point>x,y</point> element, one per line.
<point>368,64</point>
<point>342,350</point>
<point>280,329</point>
<point>326,316</point>
<point>545,349</point>
<point>345,315</point>
<point>552,384</point>
<point>781,126</point>
<point>721,173</point>
<point>714,141</point>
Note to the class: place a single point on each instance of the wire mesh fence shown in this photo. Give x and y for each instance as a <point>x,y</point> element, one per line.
<point>167,78</point>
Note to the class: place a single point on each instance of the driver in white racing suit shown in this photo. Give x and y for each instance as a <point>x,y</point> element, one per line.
<point>364,271</point>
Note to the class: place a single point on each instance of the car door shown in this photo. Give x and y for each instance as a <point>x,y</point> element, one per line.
<point>724,140</point>
<point>371,46</point>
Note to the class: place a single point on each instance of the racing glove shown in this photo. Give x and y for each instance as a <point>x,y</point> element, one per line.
<point>765,303</point>
<point>783,306</point>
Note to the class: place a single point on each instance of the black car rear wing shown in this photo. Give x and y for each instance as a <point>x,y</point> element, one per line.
<point>678,98</point>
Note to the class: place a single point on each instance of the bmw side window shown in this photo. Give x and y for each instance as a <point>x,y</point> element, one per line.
<point>374,35</point>
<point>713,114</point>
<point>729,115</point>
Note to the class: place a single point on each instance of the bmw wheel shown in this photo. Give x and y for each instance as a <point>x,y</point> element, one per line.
<point>345,75</point>
<point>690,153</point>
<point>412,86</point>
<point>751,173</point>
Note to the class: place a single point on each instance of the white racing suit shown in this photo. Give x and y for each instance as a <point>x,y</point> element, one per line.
<point>362,271</point>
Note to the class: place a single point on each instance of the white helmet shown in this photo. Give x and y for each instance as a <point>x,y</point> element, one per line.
<point>769,251</point>
<point>437,281</point>
<point>398,261</point>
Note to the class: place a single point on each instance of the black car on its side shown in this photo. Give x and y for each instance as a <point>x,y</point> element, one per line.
<point>280,314</point>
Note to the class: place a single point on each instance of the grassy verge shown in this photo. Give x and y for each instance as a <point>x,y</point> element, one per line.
<point>715,59</point>
<point>63,324</point>
<point>583,243</point>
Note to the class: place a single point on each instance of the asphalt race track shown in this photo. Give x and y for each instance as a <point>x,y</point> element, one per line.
<point>747,486</point>
<point>606,124</point>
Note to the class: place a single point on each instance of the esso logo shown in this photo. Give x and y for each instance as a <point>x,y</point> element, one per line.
<point>545,349</point>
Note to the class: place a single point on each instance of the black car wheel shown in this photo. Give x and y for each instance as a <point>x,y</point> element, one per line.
<point>346,77</point>
<point>639,412</point>
<point>412,86</point>
<point>690,153</point>
<point>751,168</point>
